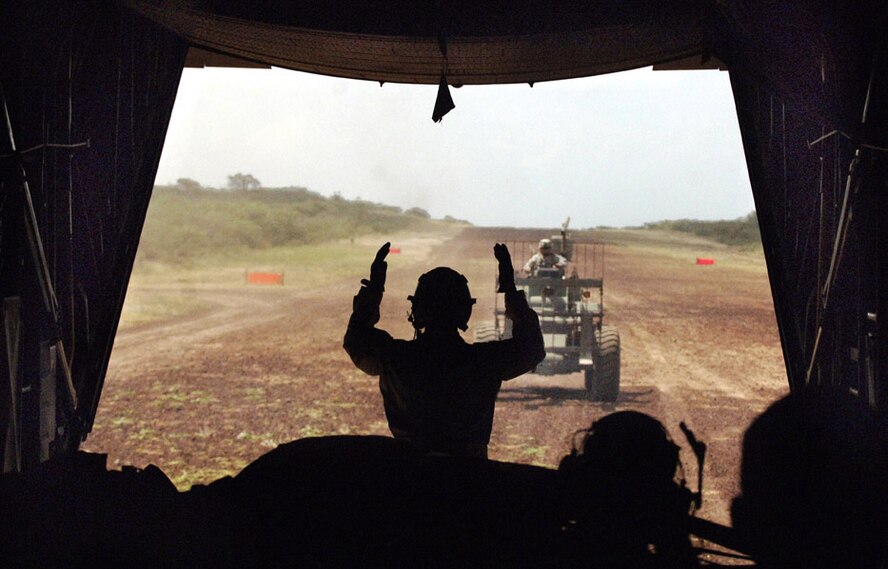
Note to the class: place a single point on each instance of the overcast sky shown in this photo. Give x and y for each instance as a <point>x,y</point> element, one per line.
<point>616,150</point>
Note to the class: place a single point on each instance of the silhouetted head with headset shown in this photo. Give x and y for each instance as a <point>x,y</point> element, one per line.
<point>624,493</point>
<point>628,447</point>
<point>442,302</point>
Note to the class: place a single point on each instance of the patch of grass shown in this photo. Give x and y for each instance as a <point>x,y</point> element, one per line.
<point>312,413</point>
<point>205,432</point>
<point>172,400</point>
<point>255,394</point>
<point>200,396</point>
<point>143,306</point>
<point>143,434</point>
<point>253,437</point>
<point>311,431</point>
<point>192,476</point>
<point>536,453</point>
<point>339,404</point>
<point>178,399</point>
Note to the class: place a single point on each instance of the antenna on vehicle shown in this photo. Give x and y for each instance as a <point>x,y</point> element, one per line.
<point>699,448</point>
<point>564,249</point>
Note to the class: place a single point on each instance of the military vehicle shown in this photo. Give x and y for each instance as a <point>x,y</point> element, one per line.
<point>570,303</point>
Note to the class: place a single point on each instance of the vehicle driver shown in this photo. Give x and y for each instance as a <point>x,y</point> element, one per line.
<point>546,258</point>
<point>439,391</point>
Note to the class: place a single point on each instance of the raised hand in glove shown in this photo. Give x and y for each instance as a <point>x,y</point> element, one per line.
<point>378,269</point>
<point>506,272</point>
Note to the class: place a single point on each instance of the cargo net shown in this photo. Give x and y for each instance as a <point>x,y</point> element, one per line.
<point>569,301</point>
<point>558,293</point>
<point>584,260</point>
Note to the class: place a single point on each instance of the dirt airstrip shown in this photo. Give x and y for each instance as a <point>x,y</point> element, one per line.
<point>204,395</point>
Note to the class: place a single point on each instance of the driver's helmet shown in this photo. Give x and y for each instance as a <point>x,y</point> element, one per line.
<point>545,246</point>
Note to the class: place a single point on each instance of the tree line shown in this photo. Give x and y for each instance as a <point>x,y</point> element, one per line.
<point>236,182</point>
<point>187,220</point>
<point>743,231</point>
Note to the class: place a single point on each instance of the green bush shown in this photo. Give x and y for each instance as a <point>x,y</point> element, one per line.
<point>743,231</point>
<point>419,212</point>
<point>188,223</point>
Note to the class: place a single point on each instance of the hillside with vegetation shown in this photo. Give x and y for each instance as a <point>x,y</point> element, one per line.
<point>742,232</point>
<point>187,221</point>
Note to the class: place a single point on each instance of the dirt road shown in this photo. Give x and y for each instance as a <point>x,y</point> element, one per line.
<point>203,396</point>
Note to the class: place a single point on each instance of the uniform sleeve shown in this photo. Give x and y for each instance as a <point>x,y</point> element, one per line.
<point>507,359</point>
<point>526,331</point>
<point>366,345</point>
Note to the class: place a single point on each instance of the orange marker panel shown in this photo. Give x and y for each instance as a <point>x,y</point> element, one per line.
<point>254,277</point>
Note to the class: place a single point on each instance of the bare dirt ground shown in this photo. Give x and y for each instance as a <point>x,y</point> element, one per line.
<point>204,395</point>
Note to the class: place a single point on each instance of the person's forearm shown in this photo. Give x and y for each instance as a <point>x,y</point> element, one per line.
<point>517,307</point>
<point>365,345</point>
<point>525,328</point>
<point>365,307</point>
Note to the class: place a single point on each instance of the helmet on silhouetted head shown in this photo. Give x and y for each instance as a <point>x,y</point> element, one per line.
<point>627,445</point>
<point>442,297</point>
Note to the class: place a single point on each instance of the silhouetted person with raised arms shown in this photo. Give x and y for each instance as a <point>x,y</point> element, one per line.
<point>439,391</point>
<point>814,484</point>
<point>622,506</point>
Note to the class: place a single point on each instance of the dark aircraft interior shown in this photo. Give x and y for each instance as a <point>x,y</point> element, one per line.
<point>87,90</point>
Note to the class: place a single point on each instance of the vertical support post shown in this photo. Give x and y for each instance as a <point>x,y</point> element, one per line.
<point>48,383</point>
<point>10,403</point>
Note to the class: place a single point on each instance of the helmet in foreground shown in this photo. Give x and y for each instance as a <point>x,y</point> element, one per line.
<point>627,446</point>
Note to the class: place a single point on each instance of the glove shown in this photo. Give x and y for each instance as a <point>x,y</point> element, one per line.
<point>506,272</point>
<point>378,269</point>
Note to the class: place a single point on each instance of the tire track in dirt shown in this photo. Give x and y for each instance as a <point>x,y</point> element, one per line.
<point>230,309</point>
<point>706,340</point>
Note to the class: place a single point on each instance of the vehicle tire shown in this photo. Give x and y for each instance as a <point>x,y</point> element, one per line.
<point>603,383</point>
<point>485,332</point>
